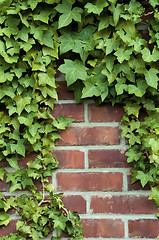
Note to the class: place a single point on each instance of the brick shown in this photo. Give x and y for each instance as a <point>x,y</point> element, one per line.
<point>75,203</point>
<point>107,158</point>
<point>69,158</point>
<point>63,93</point>
<point>11,228</point>
<point>71,110</point>
<point>103,228</point>
<point>105,113</point>
<point>86,181</point>
<point>136,186</point>
<point>123,204</point>
<point>145,228</point>
<point>90,136</point>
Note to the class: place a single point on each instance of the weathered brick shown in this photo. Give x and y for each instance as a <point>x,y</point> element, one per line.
<point>75,203</point>
<point>86,181</point>
<point>63,93</point>
<point>123,204</point>
<point>69,158</point>
<point>103,228</point>
<point>69,110</point>
<point>90,136</point>
<point>11,228</point>
<point>144,228</point>
<point>105,113</point>
<point>107,158</point>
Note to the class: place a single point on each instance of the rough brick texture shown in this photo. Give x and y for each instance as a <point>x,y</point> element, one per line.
<point>94,175</point>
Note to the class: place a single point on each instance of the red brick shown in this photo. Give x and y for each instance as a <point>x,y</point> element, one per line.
<point>69,158</point>
<point>86,181</point>
<point>107,158</point>
<point>75,203</point>
<point>11,228</point>
<point>105,113</point>
<point>70,110</point>
<point>103,228</point>
<point>123,204</point>
<point>145,228</point>
<point>90,136</point>
<point>63,93</point>
<point>136,185</point>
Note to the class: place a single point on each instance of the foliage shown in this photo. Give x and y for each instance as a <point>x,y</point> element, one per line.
<point>28,53</point>
<point>105,58</point>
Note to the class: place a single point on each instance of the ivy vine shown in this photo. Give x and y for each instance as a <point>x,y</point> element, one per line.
<point>105,58</point>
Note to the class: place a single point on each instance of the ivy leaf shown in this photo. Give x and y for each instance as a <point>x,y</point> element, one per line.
<point>132,109</point>
<point>13,162</point>
<point>33,4</point>
<point>34,128</point>
<point>21,102</point>
<point>90,90</point>
<point>3,216</point>
<point>96,8</point>
<point>43,16</point>
<point>68,15</point>
<point>123,54</point>
<point>62,122</point>
<point>148,57</point>
<point>116,12</point>
<point>2,173</point>
<point>152,78</point>
<point>155,195</point>
<point>111,45</point>
<point>133,155</point>
<point>144,177</point>
<point>46,78</point>
<point>138,90</point>
<point>74,70</point>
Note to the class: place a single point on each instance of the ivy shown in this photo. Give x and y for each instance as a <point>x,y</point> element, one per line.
<point>105,58</point>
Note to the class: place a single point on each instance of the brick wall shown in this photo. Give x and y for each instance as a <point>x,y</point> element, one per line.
<point>94,175</point>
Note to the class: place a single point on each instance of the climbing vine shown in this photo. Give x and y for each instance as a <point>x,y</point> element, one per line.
<point>105,57</point>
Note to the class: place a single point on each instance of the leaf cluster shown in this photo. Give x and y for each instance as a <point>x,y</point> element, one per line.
<point>107,58</point>
<point>28,52</point>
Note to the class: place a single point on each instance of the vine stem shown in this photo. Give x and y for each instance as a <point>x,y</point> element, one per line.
<point>146,14</point>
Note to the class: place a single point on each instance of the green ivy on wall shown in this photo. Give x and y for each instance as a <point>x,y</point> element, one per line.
<point>105,58</point>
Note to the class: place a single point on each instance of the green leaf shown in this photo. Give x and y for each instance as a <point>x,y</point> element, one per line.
<point>111,45</point>
<point>34,128</point>
<point>2,173</point>
<point>155,195</point>
<point>144,177</point>
<point>21,102</point>
<point>116,12</point>
<point>152,78</point>
<point>96,8</point>
<point>132,108</point>
<point>13,162</point>
<point>69,14</point>
<point>61,123</point>
<point>74,70</point>
<point>47,79</point>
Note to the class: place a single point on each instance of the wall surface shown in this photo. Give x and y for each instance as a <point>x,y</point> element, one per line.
<point>94,175</point>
